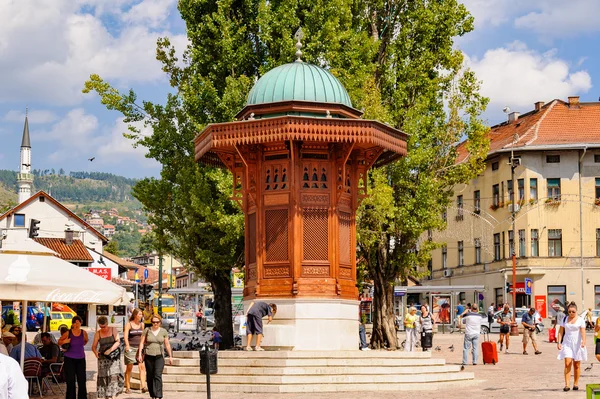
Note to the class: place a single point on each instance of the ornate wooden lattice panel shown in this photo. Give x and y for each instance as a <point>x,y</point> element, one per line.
<point>345,238</point>
<point>315,234</point>
<point>251,234</point>
<point>315,175</point>
<point>277,235</point>
<point>276,177</point>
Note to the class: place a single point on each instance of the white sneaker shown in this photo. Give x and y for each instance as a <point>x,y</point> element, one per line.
<point>506,352</point>
<point>366,348</point>
<point>259,349</point>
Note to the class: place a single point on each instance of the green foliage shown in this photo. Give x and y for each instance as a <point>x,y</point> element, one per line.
<point>112,247</point>
<point>126,243</point>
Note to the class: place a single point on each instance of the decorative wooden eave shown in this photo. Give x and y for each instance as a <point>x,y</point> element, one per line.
<point>310,107</point>
<point>225,136</point>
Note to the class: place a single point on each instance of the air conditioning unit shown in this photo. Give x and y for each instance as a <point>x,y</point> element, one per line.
<point>516,207</point>
<point>447,273</point>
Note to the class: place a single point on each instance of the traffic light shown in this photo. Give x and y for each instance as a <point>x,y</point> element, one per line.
<point>508,286</point>
<point>145,291</point>
<point>33,228</point>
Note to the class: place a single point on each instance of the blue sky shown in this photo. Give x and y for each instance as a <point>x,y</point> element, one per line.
<point>523,51</point>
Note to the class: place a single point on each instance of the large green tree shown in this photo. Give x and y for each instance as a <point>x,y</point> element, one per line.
<point>397,61</point>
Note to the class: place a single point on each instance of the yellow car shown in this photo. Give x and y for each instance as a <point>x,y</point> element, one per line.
<point>60,319</point>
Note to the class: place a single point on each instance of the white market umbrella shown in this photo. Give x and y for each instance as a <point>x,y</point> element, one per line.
<point>41,276</point>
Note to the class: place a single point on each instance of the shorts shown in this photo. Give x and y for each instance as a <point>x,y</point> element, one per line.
<point>254,325</point>
<point>504,329</point>
<point>529,334</point>
<point>131,356</point>
<point>598,347</point>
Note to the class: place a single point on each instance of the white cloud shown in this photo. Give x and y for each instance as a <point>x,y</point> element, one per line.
<point>35,116</point>
<point>116,149</point>
<point>48,48</point>
<point>492,12</point>
<point>517,76</point>
<point>558,18</point>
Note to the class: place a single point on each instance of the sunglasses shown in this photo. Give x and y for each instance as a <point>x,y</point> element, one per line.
<point>156,322</point>
<point>572,311</point>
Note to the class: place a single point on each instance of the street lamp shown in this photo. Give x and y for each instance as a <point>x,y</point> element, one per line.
<point>514,162</point>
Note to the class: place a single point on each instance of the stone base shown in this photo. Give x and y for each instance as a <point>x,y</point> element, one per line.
<point>310,324</point>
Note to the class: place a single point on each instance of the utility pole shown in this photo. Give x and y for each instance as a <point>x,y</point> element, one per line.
<point>160,273</point>
<point>514,162</point>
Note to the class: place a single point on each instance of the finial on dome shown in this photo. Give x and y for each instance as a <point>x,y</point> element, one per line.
<point>26,111</point>
<point>299,36</point>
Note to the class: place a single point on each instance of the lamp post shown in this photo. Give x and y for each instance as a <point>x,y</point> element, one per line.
<point>514,162</point>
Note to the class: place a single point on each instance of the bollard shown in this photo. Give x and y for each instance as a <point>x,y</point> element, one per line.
<point>208,365</point>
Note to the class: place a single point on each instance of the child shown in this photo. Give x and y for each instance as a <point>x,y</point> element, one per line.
<point>216,339</point>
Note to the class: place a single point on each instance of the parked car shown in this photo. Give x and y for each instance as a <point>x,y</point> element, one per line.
<point>60,319</point>
<point>168,321</point>
<point>32,322</point>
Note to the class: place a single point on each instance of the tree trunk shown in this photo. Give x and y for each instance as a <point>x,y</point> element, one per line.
<point>221,286</point>
<point>384,330</point>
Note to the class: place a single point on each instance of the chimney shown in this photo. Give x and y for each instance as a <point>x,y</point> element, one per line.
<point>68,236</point>
<point>574,102</point>
<point>539,105</point>
<point>513,116</point>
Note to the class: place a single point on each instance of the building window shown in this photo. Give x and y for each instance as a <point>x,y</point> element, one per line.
<point>533,191</point>
<point>459,206</point>
<point>503,246</point>
<point>521,188</point>
<point>535,243</point>
<point>499,295</point>
<point>554,242</point>
<point>554,189</point>
<point>19,220</point>
<point>502,191</point>
<point>461,253</point>
<point>430,269</point>
<point>497,246</point>
<point>552,158</point>
<point>522,243</point>
<point>496,195</point>
<point>477,201</point>
<point>597,242</point>
<point>509,189</point>
<point>444,257</point>
<point>495,165</point>
<point>597,297</point>
<point>557,297</point>
<point>597,188</point>
<point>597,158</point>
<point>511,243</point>
<point>477,250</point>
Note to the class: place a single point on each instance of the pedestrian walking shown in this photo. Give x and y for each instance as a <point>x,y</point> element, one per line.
<point>472,322</point>
<point>74,365</point>
<point>426,324</point>
<point>410,326</point>
<point>529,332</point>
<point>148,312</point>
<point>597,340</point>
<point>110,380</point>
<point>490,315</point>
<point>12,382</point>
<point>571,344</point>
<point>154,341</point>
<point>132,337</point>
<point>505,321</point>
<point>199,316</point>
<point>256,312</point>
<point>130,308</point>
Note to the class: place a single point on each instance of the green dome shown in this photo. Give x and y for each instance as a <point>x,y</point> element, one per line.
<point>298,81</point>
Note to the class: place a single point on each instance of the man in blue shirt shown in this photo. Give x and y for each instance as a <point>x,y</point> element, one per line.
<point>528,321</point>
<point>30,350</point>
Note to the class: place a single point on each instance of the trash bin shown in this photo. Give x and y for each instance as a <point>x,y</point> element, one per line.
<point>208,361</point>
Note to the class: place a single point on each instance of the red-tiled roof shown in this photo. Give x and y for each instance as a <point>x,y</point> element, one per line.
<point>122,282</point>
<point>152,274</point>
<point>121,262</point>
<point>59,205</point>
<point>75,252</point>
<point>557,123</point>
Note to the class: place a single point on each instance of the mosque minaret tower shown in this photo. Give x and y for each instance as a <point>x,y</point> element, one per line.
<point>25,177</point>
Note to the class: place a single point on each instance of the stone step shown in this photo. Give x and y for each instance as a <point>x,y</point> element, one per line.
<point>465,381</point>
<point>243,362</point>
<point>308,354</point>
<point>191,375</point>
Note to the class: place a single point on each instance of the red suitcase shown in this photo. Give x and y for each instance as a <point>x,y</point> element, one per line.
<point>489,350</point>
<point>552,335</point>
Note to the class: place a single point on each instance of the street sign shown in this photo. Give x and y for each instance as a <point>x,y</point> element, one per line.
<point>145,274</point>
<point>528,285</point>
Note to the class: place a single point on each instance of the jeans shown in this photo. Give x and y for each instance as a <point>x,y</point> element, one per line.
<point>471,340</point>
<point>74,370</point>
<point>363,336</point>
<point>411,339</point>
<point>154,370</point>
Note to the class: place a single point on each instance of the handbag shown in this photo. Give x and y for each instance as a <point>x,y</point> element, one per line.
<point>143,349</point>
<point>114,355</point>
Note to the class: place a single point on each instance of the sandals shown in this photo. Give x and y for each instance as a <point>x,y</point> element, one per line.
<point>575,388</point>
<point>127,390</point>
<point>144,390</point>
<point>567,389</point>
<point>525,353</point>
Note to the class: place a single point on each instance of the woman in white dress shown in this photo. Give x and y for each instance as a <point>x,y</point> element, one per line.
<point>571,344</point>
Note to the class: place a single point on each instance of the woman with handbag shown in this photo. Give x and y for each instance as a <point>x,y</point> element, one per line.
<point>133,335</point>
<point>426,322</point>
<point>74,366</point>
<point>151,352</point>
<point>110,381</point>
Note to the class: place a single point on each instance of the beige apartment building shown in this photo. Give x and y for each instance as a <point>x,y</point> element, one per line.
<point>557,233</point>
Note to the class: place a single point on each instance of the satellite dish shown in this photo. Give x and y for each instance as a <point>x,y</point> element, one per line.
<point>506,110</point>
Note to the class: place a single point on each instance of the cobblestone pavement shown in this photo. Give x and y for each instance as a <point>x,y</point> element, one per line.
<point>515,376</point>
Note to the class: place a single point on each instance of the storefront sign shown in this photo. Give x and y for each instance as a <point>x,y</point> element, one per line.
<point>540,305</point>
<point>238,280</point>
<point>520,288</point>
<point>104,272</point>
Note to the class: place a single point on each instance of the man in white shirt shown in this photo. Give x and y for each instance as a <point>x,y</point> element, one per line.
<point>13,384</point>
<point>472,322</point>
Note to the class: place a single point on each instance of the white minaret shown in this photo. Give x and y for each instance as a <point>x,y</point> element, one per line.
<point>24,177</point>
